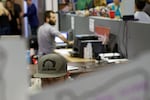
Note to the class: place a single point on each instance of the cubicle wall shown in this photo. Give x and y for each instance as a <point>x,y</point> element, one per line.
<point>114,25</point>
<point>132,37</point>
<point>138,38</point>
<point>65,22</point>
<point>81,25</point>
<point>116,30</point>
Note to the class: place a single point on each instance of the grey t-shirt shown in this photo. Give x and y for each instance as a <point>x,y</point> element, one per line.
<point>46,38</point>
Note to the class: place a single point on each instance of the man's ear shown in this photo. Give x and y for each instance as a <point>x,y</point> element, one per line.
<point>47,19</point>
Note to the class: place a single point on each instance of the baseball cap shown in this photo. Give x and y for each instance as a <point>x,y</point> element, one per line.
<point>51,66</point>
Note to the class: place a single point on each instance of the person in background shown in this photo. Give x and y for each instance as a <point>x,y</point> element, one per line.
<point>99,3</point>
<point>18,10</point>
<point>47,33</point>
<point>17,7</point>
<point>109,1</point>
<point>14,22</point>
<point>68,7</point>
<point>84,4</point>
<point>32,17</point>
<point>147,7</point>
<point>115,6</point>
<point>139,13</point>
<point>52,69</point>
<point>4,20</point>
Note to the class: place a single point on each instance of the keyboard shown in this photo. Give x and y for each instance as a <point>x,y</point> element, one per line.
<point>61,45</point>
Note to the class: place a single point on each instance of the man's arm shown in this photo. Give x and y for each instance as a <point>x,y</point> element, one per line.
<point>65,40</point>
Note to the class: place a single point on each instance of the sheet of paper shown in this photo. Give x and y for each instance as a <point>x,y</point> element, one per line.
<point>91,25</point>
<point>69,68</point>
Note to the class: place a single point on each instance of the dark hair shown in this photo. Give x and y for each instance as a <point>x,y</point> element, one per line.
<point>47,14</point>
<point>147,1</point>
<point>9,1</point>
<point>140,4</point>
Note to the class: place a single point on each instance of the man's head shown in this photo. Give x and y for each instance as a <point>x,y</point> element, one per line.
<point>52,68</point>
<point>50,17</point>
<point>29,2</point>
<point>140,4</point>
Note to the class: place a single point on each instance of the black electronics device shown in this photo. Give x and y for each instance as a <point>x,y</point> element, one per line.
<point>80,41</point>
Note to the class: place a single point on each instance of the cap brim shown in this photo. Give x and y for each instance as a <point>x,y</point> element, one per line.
<point>39,75</point>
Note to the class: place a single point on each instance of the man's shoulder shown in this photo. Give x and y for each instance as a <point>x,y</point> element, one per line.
<point>45,25</point>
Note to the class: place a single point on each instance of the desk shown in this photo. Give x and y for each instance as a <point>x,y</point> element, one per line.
<point>85,66</point>
<point>65,53</point>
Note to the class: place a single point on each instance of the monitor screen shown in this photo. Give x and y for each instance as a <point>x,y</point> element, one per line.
<point>58,40</point>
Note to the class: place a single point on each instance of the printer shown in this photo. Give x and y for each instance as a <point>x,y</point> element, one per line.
<point>81,41</point>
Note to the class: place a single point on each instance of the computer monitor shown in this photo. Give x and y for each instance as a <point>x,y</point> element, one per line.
<point>82,37</point>
<point>81,41</point>
<point>58,40</point>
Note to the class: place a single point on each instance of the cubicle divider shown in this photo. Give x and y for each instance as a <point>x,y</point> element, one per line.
<point>138,38</point>
<point>132,37</point>
<point>65,22</point>
<point>78,24</point>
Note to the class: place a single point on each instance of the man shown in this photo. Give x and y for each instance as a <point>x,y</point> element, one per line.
<point>140,14</point>
<point>68,7</point>
<point>32,17</point>
<point>47,33</point>
<point>52,68</point>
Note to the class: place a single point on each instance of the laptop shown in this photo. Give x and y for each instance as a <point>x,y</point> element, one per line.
<point>60,43</point>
